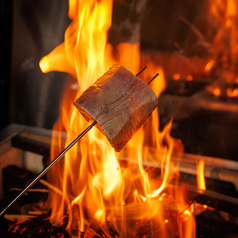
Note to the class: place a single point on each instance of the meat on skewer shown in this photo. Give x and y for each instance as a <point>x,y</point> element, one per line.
<point>119,102</point>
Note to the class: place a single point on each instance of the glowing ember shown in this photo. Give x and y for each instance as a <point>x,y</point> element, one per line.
<point>94,184</point>
<point>176,76</point>
<point>232,93</point>
<point>217,92</point>
<point>189,77</point>
<point>209,65</point>
<point>214,90</point>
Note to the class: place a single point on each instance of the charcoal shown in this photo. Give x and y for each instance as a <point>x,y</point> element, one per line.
<point>119,102</point>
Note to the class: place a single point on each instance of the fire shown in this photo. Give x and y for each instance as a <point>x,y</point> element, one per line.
<point>214,90</point>
<point>200,175</point>
<point>224,15</point>
<point>209,65</point>
<point>232,93</point>
<point>201,183</point>
<point>91,176</point>
<point>223,59</point>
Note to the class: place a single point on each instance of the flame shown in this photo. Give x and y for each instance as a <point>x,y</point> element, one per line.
<point>209,65</point>
<point>91,176</point>
<point>214,90</point>
<point>217,92</point>
<point>200,175</point>
<point>223,59</point>
<point>224,16</point>
<point>188,224</point>
<point>232,93</point>
<point>201,184</point>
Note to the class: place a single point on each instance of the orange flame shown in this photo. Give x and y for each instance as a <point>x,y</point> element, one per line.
<point>225,48</point>
<point>232,93</point>
<point>188,224</point>
<point>200,175</point>
<point>91,176</point>
<point>214,90</point>
<point>201,183</point>
<point>209,65</point>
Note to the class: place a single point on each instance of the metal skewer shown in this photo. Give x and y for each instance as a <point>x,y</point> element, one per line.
<point>141,71</point>
<point>44,171</point>
<point>48,167</point>
<point>156,75</point>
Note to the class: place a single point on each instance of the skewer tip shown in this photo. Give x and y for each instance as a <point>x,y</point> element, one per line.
<point>156,75</point>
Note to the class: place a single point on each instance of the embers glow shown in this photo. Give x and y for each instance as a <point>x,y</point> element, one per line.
<point>216,91</point>
<point>232,93</point>
<point>189,77</point>
<point>91,176</point>
<point>176,76</point>
<point>209,65</point>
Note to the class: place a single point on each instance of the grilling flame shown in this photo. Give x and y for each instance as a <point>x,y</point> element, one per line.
<point>91,176</point>
<point>224,17</point>
<point>223,59</point>
<point>200,173</point>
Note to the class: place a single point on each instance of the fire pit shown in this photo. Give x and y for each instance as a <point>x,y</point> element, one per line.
<point>216,205</point>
